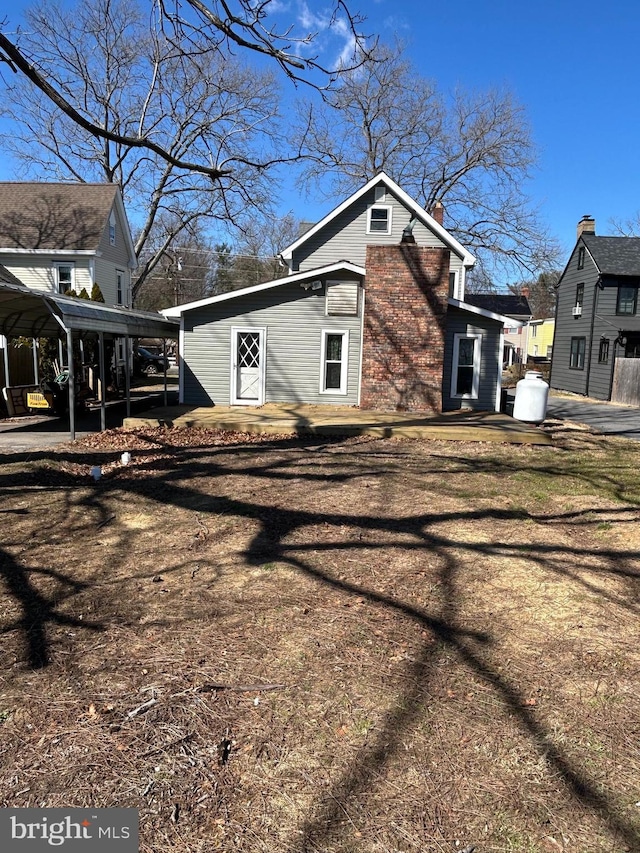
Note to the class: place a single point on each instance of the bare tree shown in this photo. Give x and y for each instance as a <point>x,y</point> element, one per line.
<point>189,130</point>
<point>626,227</point>
<point>541,293</point>
<point>472,152</point>
<point>193,29</point>
<point>102,55</point>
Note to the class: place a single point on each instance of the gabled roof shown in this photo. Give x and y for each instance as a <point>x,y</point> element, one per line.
<point>318,272</point>
<point>498,303</point>
<point>614,255</point>
<point>428,220</point>
<point>41,216</point>
<point>484,312</point>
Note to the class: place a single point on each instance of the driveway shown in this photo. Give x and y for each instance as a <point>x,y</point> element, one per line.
<point>623,421</point>
<point>27,434</point>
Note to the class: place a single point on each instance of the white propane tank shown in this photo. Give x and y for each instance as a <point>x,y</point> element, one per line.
<point>532,394</point>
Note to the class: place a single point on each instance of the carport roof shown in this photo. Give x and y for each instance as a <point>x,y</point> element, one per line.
<point>37,314</point>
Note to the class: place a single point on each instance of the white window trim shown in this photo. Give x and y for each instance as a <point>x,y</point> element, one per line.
<point>123,288</point>
<point>112,229</point>
<point>56,275</point>
<point>475,382</point>
<point>344,367</point>
<point>389,210</point>
<point>455,290</point>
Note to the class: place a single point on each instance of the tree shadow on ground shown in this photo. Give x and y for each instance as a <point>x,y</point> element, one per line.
<point>417,533</point>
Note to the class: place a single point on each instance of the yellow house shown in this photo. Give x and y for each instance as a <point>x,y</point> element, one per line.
<point>540,338</point>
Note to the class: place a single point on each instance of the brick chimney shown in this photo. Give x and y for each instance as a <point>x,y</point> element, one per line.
<point>437,212</point>
<point>525,291</point>
<point>587,225</point>
<point>406,292</point>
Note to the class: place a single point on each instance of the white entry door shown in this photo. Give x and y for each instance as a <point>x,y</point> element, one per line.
<point>247,367</point>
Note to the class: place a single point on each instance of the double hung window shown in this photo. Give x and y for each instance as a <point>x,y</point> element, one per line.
<point>334,360</point>
<point>465,376</point>
<point>64,276</point>
<point>576,357</point>
<point>627,300</point>
<point>379,219</point>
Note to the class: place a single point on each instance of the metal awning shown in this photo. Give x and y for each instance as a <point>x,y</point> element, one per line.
<point>35,314</point>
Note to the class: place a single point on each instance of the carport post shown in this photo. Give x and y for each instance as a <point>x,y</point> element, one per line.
<point>164,362</point>
<point>103,389</point>
<point>71,387</point>
<point>127,378</point>
<point>36,372</point>
<point>5,351</point>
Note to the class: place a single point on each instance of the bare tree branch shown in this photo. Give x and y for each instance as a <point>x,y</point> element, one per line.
<point>19,62</point>
<point>472,152</point>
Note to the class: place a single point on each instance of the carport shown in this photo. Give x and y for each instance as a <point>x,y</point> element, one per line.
<point>33,314</point>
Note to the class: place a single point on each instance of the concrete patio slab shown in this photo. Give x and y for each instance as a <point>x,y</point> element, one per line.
<point>300,419</point>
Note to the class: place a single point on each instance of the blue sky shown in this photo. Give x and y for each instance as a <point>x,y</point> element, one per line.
<point>572,65</point>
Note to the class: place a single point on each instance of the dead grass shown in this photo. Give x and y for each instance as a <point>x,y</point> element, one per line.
<point>356,645</point>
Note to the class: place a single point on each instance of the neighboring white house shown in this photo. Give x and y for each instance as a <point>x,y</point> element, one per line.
<point>56,237</point>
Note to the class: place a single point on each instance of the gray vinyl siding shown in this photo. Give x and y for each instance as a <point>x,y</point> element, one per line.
<point>118,254</point>
<point>345,237</point>
<point>606,325</point>
<point>564,377</point>
<point>294,320</point>
<point>105,273</point>
<point>598,320</point>
<point>460,322</point>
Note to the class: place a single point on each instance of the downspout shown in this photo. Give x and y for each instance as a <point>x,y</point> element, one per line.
<point>500,359</point>
<point>181,361</point>
<point>593,320</point>
<point>361,346</point>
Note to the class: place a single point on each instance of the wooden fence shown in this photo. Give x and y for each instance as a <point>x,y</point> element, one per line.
<point>626,382</point>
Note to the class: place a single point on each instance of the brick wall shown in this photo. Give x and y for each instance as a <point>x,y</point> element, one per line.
<point>406,292</point>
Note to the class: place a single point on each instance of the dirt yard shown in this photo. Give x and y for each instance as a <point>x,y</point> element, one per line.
<point>270,644</point>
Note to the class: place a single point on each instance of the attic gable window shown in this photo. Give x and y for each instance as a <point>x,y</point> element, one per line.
<point>112,229</point>
<point>379,219</point>
<point>581,258</point>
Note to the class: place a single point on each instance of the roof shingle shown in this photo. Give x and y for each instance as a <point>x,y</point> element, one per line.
<point>614,255</point>
<point>498,303</point>
<point>38,215</point>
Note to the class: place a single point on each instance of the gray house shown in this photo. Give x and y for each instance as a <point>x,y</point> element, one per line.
<point>597,331</point>
<point>371,314</point>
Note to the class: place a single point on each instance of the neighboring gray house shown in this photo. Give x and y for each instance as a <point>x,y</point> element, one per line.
<point>514,307</point>
<point>597,330</point>
<point>372,314</point>
<point>56,237</point>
